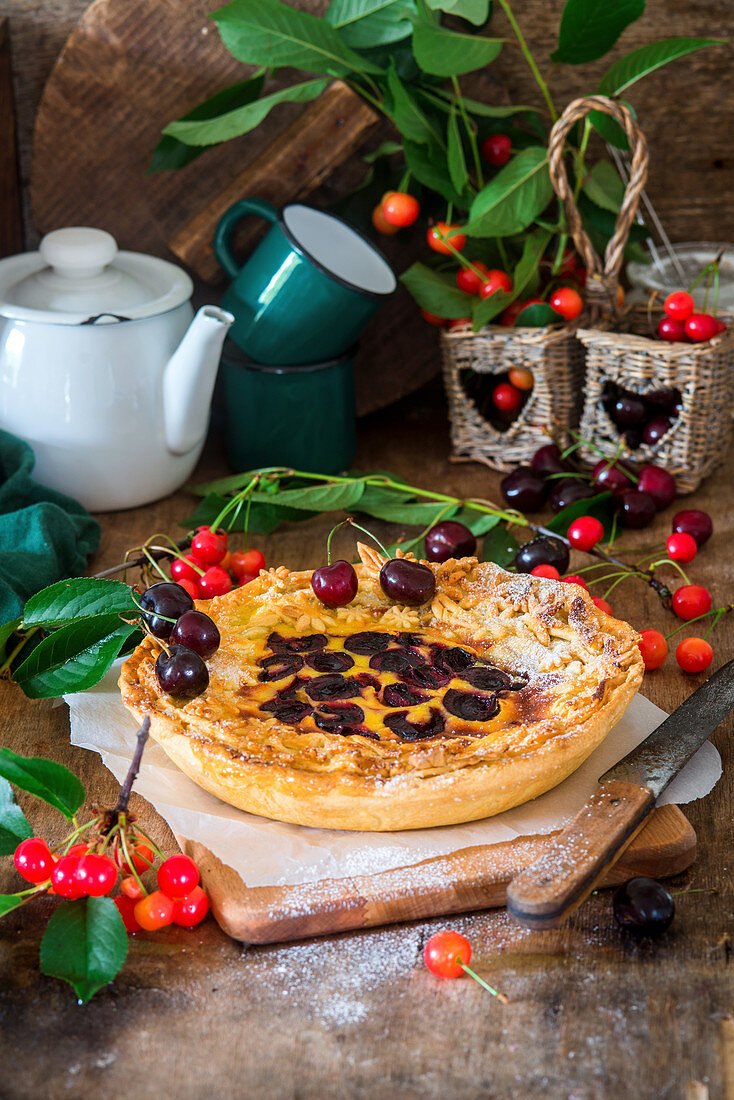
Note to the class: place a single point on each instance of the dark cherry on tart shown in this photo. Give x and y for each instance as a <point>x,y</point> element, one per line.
<point>379,685</point>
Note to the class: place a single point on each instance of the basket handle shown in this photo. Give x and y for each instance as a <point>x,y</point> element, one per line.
<point>601,283</point>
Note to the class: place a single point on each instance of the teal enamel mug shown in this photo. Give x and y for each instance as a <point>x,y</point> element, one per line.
<point>307,291</point>
<point>301,416</point>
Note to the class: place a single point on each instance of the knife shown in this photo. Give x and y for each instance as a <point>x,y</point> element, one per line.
<point>544,894</point>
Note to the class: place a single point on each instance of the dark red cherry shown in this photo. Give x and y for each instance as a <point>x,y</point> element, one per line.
<point>367,642</point>
<point>449,539</point>
<point>568,492</point>
<point>335,585</point>
<point>524,489</point>
<point>470,706</point>
<point>181,673</point>
<point>548,461</point>
<point>667,400</point>
<point>636,509</point>
<point>657,483</point>
<point>407,582</point>
<point>628,410</point>
<point>196,631</point>
<point>542,551</point>
<point>655,429</point>
<point>329,661</point>
<point>611,478</point>
<point>164,603</point>
<point>695,523</point>
<point>643,906</point>
<point>321,688</point>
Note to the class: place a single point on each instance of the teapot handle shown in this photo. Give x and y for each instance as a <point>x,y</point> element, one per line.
<point>227,223</point>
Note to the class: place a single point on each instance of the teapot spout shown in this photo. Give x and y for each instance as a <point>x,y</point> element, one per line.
<point>188,379</point>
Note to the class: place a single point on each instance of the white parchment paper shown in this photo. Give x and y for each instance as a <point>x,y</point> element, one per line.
<point>270,853</point>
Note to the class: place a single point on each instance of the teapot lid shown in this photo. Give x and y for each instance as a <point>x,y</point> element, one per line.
<point>78,275</point>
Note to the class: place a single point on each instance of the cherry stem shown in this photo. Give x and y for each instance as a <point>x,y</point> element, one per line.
<point>669,561</point>
<point>717,611</point>
<point>134,768</point>
<point>142,559</point>
<point>364,530</point>
<point>342,523</point>
<point>485,985</point>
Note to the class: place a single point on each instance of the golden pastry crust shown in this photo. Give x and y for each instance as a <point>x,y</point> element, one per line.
<point>580,669</point>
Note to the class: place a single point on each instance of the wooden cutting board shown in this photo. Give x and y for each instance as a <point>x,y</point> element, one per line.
<point>128,68</point>
<point>473,878</point>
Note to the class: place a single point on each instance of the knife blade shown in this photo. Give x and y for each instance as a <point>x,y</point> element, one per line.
<point>545,894</point>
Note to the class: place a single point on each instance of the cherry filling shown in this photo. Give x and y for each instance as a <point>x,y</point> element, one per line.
<point>367,642</point>
<point>470,707</point>
<point>290,711</point>
<point>415,731</point>
<point>345,718</point>
<point>396,660</point>
<point>279,644</point>
<point>454,658</point>
<point>486,678</point>
<point>426,676</point>
<point>279,666</point>
<point>331,687</point>
<point>328,661</point>
<point>400,695</point>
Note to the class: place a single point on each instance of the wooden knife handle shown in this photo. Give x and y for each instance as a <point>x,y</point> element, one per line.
<point>546,893</point>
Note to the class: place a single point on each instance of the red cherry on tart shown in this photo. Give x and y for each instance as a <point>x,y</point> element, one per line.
<point>335,585</point>
<point>450,539</point>
<point>407,582</point>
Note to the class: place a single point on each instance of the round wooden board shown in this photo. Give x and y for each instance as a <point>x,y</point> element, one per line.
<point>128,68</point>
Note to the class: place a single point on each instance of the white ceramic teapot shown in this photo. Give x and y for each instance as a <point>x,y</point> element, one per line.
<point>104,369</point>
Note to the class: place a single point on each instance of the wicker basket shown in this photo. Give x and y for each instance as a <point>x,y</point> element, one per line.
<point>621,349</point>
<point>556,359</point>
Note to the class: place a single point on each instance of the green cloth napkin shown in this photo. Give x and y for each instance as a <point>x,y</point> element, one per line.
<point>44,535</point>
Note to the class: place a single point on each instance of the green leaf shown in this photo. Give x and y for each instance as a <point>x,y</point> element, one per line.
<point>262,519</point>
<point>386,149</point>
<point>418,514</point>
<point>171,153</point>
<point>405,112</point>
<point>14,825</point>
<point>445,53</point>
<point>73,599</point>
<point>270,33</point>
<point>436,293</point>
<point>428,164</point>
<point>455,153</point>
<point>243,119</point>
<point>490,110</point>
<point>317,498</point>
<point>474,11</point>
<point>365,24</point>
<point>538,315</point>
<point>8,902</point>
<point>47,780</point>
<point>525,272</point>
<point>85,944</point>
<point>7,630</point>
<point>73,658</point>
<point>479,523</point>
<point>609,128</point>
<point>599,506</point>
<point>633,66</point>
<point>500,546</point>
<point>604,186</point>
<point>589,28</point>
<point>514,198</point>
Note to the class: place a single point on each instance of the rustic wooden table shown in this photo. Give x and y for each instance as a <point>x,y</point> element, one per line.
<point>194,1013</point>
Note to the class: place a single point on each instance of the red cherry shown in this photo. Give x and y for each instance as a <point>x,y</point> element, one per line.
<point>381,225</point>
<point>131,888</point>
<point>548,571</point>
<point>567,301</point>
<point>126,907</point>
<point>701,327</point>
<point>602,605</point>
<point>191,909</point>
<point>154,911</point>
<point>694,655</point>
<point>33,860</point>
<point>245,579</point>
<point>191,587</point>
<point>521,378</point>
<point>691,600</point>
<point>681,547</point>
<point>506,397</point>
<point>585,532</point>
<point>449,539</point>
<point>433,318</point>
<point>574,578</point>
<point>246,561</point>
<point>468,280</point>
<point>208,547</point>
<point>142,856</point>
<point>441,230</point>
<point>636,509</point>
<point>674,332</point>
<point>679,305</point>
<point>496,149</point>
<point>215,582</point>
<point>77,850</point>
<point>64,878</point>
<point>445,952</point>
<point>183,569</point>
<point>653,647</point>
<point>96,874</point>
<point>177,876</point>
<point>399,208</point>
<point>496,280</point>
<point>658,484</point>
<point>695,523</point>
<point>335,585</point>
<point>611,477</point>
<point>458,322</point>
